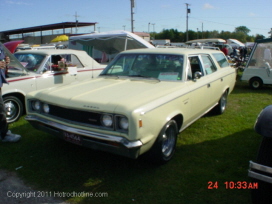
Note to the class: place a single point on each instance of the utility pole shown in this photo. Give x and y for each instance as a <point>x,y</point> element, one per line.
<point>202,30</point>
<point>153,30</point>
<point>76,20</point>
<point>187,11</point>
<point>132,20</point>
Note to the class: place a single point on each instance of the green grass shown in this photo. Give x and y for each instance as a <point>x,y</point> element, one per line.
<point>215,148</point>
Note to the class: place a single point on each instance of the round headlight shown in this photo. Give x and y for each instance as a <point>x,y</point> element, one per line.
<point>36,105</point>
<point>46,108</point>
<point>123,122</point>
<point>107,120</point>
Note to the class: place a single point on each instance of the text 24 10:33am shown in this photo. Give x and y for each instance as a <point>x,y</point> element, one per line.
<point>233,185</point>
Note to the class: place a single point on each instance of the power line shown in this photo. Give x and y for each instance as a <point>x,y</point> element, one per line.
<point>225,23</point>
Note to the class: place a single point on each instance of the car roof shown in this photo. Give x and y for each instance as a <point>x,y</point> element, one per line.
<point>184,51</point>
<point>51,51</point>
<point>81,54</point>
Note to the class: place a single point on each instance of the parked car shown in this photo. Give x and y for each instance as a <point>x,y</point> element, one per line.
<point>42,69</point>
<point>261,169</point>
<point>258,69</point>
<point>139,103</point>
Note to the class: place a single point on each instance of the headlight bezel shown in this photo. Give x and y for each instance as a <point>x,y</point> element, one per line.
<point>107,120</point>
<point>123,123</point>
<point>45,108</point>
<point>36,105</point>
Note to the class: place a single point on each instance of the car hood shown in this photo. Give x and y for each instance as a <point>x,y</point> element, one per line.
<point>12,45</point>
<point>14,64</point>
<point>112,94</point>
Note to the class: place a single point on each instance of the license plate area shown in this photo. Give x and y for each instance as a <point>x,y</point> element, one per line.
<point>73,138</point>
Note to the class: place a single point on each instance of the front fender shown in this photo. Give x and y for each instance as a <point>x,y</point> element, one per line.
<point>263,124</point>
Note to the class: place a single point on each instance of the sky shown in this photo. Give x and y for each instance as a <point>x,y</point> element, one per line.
<point>149,15</point>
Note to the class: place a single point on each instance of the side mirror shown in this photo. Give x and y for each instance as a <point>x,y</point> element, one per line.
<point>197,75</point>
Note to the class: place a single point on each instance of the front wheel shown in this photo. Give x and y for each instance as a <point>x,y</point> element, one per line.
<point>14,108</point>
<point>255,83</point>
<point>165,145</point>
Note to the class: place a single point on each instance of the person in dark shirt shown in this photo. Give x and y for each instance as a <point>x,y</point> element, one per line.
<point>5,134</point>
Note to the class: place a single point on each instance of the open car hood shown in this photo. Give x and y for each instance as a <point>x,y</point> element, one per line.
<point>15,65</point>
<point>12,45</point>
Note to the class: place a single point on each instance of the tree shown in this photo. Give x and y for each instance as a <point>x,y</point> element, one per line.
<point>259,37</point>
<point>240,33</point>
<point>225,35</point>
<point>242,29</point>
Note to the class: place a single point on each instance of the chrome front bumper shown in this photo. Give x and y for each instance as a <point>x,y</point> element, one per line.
<point>261,169</point>
<point>94,140</point>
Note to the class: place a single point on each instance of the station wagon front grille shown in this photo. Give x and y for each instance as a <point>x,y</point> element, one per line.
<point>89,118</point>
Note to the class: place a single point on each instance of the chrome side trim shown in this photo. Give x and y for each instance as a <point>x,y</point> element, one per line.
<point>100,136</point>
<point>260,167</point>
<point>259,176</point>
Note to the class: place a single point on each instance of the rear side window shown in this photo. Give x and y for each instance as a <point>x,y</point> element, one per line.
<point>221,59</point>
<point>208,65</point>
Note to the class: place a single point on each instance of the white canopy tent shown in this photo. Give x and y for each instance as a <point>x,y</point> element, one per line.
<point>208,40</point>
<point>108,42</point>
<point>235,43</point>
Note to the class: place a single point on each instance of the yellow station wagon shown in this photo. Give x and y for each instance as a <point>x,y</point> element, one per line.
<point>139,103</point>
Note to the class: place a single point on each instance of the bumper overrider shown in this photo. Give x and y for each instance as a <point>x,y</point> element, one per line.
<point>93,140</point>
<point>260,172</point>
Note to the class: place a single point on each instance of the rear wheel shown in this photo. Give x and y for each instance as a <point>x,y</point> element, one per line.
<point>222,104</point>
<point>255,83</point>
<point>262,195</point>
<point>165,145</point>
<point>14,108</point>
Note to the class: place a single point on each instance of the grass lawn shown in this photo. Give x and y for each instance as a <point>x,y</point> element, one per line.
<point>215,148</point>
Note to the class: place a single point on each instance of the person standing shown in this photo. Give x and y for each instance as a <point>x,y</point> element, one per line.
<point>234,52</point>
<point>5,134</point>
<point>225,50</point>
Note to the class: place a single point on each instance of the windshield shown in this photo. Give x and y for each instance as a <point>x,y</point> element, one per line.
<point>31,62</point>
<point>261,56</point>
<point>159,66</point>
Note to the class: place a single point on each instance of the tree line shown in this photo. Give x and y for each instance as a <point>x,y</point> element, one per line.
<point>240,33</point>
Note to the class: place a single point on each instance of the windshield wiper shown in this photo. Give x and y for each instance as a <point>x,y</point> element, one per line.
<point>147,77</point>
<point>110,75</point>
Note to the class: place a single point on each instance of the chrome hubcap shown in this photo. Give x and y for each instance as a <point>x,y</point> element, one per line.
<point>11,110</point>
<point>168,141</point>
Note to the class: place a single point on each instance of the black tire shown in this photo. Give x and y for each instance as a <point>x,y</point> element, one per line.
<point>222,104</point>
<point>263,194</point>
<point>165,145</point>
<point>14,108</point>
<point>255,83</point>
